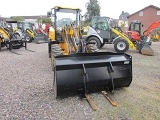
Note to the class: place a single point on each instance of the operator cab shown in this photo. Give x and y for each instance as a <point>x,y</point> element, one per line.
<point>103,26</point>
<point>62,17</point>
<point>135,26</point>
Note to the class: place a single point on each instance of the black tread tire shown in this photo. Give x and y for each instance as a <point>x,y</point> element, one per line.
<point>98,42</point>
<point>49,49</point>
<point>91,48</point>
<point>17,35</point>
<point>0,46</point>
<point>118,41</point>
<point>55,85</point>
<point>29,38</point>
<point>55,51</point>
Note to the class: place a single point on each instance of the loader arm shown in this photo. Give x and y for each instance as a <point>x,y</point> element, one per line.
<point>30,32</point>
<point>151,27</point>
<point>131,45</point>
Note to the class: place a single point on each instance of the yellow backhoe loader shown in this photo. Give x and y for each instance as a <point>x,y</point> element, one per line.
<point>79,68</point>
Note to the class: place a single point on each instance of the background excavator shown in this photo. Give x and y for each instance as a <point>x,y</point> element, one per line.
<point>135,30</point>
<point>101,31</point>
<point>79,68</point>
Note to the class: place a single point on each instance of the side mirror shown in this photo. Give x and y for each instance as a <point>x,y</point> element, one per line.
<point>49,14</point>
<point>86,16</point>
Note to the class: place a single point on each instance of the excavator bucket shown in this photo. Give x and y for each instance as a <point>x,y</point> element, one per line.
<point>145,48</point>
<point>85,73</point>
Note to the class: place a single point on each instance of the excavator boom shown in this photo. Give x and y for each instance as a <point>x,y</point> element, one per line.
<point>151,27</point>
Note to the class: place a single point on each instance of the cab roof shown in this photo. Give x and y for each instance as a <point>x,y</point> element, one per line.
<point>66,7</point>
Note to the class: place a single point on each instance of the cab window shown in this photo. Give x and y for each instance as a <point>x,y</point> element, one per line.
<point>102,24</point>
<point>93,22</point>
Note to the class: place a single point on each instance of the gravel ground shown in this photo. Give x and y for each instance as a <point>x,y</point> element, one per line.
<point>26,91</point>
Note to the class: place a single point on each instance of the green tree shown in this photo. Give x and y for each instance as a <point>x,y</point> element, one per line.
<point>18,18</point>
<point>93,9</point>
<point>44,20</point>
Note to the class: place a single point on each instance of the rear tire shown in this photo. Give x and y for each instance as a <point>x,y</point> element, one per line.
<point>96,41</point>
<point>0,46</point>
<point>55,51</point>
<point>91,48</point>
<point>121,45</point>
<point>55,85</point>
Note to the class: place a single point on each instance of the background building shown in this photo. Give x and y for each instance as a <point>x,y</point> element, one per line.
<point>147,16</point>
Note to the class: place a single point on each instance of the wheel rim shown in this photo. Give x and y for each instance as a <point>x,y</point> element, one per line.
<point>121,45</point>
<point>27,39</point>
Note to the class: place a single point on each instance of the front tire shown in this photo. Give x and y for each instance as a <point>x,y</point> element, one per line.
<point>0,46</point>
<point>55,85</point>
<point>55,51</point>
<point>96,41</point>
<point>28,38</point>
<point>91,48</point>
<point>121,45</point>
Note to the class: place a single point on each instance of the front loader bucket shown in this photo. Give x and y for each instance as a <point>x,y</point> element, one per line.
<point>41,38</point>
<point>145,48</point>
<point>91,72</point>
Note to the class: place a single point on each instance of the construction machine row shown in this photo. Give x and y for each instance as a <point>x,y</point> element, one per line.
<point>78,66</point>
<point>15,34</point>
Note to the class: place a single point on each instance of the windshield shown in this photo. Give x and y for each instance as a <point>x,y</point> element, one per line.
<point>20,25</point>
<point>26,26</point>
<point>102,23</point>
<point>65,17</point>
<point>14,25</point>
<point>3,23</point>
<point>135,26</point>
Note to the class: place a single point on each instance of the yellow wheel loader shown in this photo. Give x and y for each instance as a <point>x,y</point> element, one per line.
<point>101,31</point>
<point>78,67</point>
<point>13,26</point>
<point>27,30</point>
<point>10,39</point>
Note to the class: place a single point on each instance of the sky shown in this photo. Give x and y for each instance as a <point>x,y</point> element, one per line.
<point>112,9</point>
